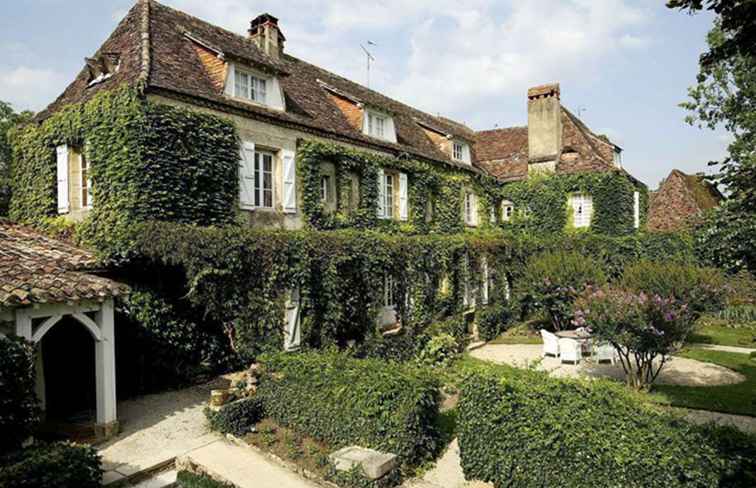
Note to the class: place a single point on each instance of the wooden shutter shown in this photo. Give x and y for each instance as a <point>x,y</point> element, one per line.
<point>381,194</point>
<point>247,176</point>
<point>289,182</point>
<point>62,165</point>
<point>403,213</point>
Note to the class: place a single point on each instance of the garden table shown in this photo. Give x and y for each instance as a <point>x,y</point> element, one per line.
<point>584,338</point>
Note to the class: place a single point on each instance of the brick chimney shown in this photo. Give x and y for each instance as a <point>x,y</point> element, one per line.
<point>544,127</point>
<point>265,33</point>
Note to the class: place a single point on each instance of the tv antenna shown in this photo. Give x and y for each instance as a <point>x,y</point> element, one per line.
<point>369,57</point>
<point>580,110</point>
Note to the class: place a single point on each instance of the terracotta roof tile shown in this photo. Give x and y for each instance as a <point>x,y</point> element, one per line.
<point>37,269</point>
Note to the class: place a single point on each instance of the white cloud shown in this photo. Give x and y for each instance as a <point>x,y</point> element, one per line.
<point>30,88</point>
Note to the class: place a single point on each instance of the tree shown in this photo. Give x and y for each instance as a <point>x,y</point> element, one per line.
<point>725,96</point>
<point>8,119</point>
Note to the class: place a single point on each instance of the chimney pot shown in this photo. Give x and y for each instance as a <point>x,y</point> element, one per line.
<point>264,31</point>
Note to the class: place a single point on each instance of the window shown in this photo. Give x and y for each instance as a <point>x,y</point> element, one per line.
<point>492,216</point>
<point>250,87</point>
<point>582,210</point>
<point>471,209</point>
<point>461,152</point>
<point>507,210</point>
<point>325,182</point>
<point>636,210</point>
<point>388,291</point>
<point>263,189</point>
<point>376,125</point>
<point>618,157</point>
<point>86,182</point>
<point>388,192</point>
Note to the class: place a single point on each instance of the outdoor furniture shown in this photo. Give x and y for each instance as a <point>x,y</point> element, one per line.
<point>605,352</point>
<point>550,344</point>
<point>570,350</point>
<point>580,336</point>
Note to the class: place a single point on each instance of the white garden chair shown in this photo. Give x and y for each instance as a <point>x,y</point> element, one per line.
<point>604,352</point>
<point>569,350</point>
<point>550,344</point>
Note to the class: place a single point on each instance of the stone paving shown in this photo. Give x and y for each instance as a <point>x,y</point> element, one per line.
<point>678,371</point>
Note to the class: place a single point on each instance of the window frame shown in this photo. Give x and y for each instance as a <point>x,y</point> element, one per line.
<point>325,183</point>
<point>388,195</point>
<point>471,209</point>
<point>259,189</point>
<point>581,214</point>
<point>252,90</point>
<point>507,211</point>
<point>372,121</point>
<point>85,180</point>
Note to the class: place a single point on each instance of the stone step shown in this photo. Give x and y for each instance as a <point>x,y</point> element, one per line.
<point>166,479</point>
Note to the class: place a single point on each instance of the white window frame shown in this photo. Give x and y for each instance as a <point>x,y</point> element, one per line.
<point>256,89</point>
<point>259,190</point>
<point>325,181</point>
<point>458,150</point>
<point>85,180</point>
<point>582,210</point>
<point>376,125</point>
<point>388,195</point>
<point>471,209</point>
<point>507,211</point>
<point>389,300</point>
<point>636,210</point>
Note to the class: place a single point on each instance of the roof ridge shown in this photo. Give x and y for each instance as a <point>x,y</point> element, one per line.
<point>500,129</point>
<point>144,28</point>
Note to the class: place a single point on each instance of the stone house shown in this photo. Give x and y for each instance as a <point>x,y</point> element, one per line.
<point>680,200</point>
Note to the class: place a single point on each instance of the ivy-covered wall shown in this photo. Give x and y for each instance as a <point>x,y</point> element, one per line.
<point>541,203</point>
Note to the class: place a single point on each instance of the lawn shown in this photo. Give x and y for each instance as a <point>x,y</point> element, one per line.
<point>739,398</point>
<point>521,333</point>
<point>724,336</point>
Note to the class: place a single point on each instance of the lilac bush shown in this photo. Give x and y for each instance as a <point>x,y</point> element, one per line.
<point>644,329</point>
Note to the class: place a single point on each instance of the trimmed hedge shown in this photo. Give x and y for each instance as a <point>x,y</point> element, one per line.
<point>345,401</point>
<point>236,418</point>
<point>18,403</point>
<point>58,465</point>
<point>535,431</point>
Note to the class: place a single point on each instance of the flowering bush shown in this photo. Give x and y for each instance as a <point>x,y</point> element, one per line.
<point>644,329</point>
<point>554,280</point>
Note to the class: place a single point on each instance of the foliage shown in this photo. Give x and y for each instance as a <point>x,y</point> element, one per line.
<point>187,479</point>
<point>58,465</point>
<point>532,430</point>
<point>553,281</point>
<point>8,119</point>
<point>237,417</point>
<point>541,204</point>
<point>355,478</point>
<point>493,320</point>
<point>401,347</point>
<point>365,402</point>
<point>439,351</point>
<point>644,330</point>
<point>726,238</point>
<point>19,411</point>
<point>702,289</point>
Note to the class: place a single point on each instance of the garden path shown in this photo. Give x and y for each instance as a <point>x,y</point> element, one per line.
<point>679,371</point>
<point>717,347</point>
<point>157,428</point>
<point>447,473</point>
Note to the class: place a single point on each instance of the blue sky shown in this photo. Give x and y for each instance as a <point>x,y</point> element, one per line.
<point>624,64</point>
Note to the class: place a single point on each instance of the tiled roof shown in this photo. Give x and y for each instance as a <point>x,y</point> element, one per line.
<point>37,269</point>
<point>158,49</point>
<point>504,152</point>
<point>680,199</point>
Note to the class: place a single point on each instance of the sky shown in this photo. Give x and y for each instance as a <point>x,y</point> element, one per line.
<point>623,65</point>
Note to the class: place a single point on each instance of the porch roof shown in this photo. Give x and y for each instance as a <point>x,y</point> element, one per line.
<point>36,269</point>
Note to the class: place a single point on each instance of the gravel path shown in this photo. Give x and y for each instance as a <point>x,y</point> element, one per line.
<point>678,371</point>
<point>716,347</point>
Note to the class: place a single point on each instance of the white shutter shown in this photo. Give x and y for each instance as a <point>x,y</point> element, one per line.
<point>466,157</point>
<point>247,176</point>
<point>588,209</point>
<point>231,80</point>
<point>485,281</point>
<point>290,182</point>
<point>62,155</point>
<point>389,129</point>
<point>636,210</point>
<point>381,194</point>
<point>403,196</point>
<point>292,332</point>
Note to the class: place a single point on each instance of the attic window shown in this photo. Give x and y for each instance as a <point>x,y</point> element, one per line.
<point>379,125</point>
<point>102,67</point>
<point>461,152</point>
<point>618,157</point>
<point>250,87</point>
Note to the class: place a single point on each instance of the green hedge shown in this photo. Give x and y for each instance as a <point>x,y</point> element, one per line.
<point>19,411</point>
<point>236,418</point>
<point>345,401</point>
<point>58,465</point>
<point>535,431</point>
<point>187,479</point>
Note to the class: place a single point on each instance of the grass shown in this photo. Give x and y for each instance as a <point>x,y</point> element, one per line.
<point>739,398</point>
<point>520,333</point>
<point>186,479</point>
<point>724,336</point>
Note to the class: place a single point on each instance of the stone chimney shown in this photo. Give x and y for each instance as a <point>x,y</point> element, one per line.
<point>544,128</point>
<point>265,33</point>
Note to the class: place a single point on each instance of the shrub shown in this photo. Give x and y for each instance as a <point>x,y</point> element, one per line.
<point>535,431</point>
<point>644,330</point>
<point>236,418</point>
<point>400,348</point>
<point>59,465</point>
<point>493,320</point>
<point>187,479</point>
<point>18,403</point>
<point>439,351</point>
<point>552,282</point>
<point>456,326</point>
<point>738,451</point>
<point>345,401</point>
<point>703,289</point>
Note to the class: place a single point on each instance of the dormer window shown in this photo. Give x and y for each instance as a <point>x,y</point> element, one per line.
<point>617,157</point>
<point>461,152</point>
<point>379,125</point>
<point>250,87</point>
